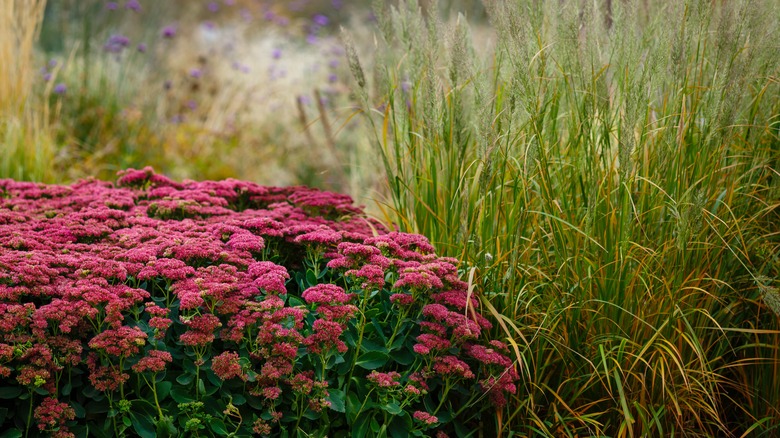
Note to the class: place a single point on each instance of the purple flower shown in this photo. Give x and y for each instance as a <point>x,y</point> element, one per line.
<point>111,6</point>
<point>142,48</point>
<point>52,63</point>
<point>116,43</point>
<point>133,5</point>
<point>332,78</point>
<point>213,7</point>
<point>337,4</point>
<point>196,73</point>
<point>168,32</point>
<point>311,39</point>
<point>60,88</point>
<point>277,53</point>
<point>320,20</point>
<point>240,67</point>
<point>46,76</point>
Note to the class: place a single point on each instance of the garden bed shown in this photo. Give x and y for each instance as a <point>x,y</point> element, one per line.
<point>151,307</point>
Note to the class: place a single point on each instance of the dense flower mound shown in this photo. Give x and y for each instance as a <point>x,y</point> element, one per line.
<point>156,308</point>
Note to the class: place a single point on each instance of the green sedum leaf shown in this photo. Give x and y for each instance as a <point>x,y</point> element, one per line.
<point>372,360</point>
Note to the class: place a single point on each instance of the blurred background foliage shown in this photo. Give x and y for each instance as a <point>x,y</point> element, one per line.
<point>247,89</point>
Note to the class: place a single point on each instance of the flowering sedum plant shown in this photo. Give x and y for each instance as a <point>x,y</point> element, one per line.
<point>157,308</point>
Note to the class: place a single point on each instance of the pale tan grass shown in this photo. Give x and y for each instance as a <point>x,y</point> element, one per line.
<point>20,25</point>
<point>26,147</point>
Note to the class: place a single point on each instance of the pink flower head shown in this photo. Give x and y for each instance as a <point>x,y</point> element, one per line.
<point>384,380</point>
<point>425,418</point>
<point>246,242</point>
<point>155,362</point>
<point>226,366</point>
<point>497,388</point>
<point>370,276</point>
<point>326,294</point>
<point>428,343</point>
<point>121,342</point>
<point>402,299</point>
<point>323,236</point>
<point>201,330</point>
<point>488,356</point>
<point>326,336</point>
<point>449,366</point>
<point>269,277</point>
<point>52,414</point>
<point>419,279</point>
<point>302,383</point>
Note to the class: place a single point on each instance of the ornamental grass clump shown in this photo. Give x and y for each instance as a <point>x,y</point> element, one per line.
<point>156,308</point>
<point>609,169</point>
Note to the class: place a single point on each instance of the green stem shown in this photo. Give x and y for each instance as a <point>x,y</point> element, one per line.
<point>29,415</point>
<point>153,385</point>
<point>197,383</point>
<point>395,329</point>
<point>113,418</point>
<point>301,409</point>
<point>447,388</point>
<point>361,329</point>
<point>121,385</point>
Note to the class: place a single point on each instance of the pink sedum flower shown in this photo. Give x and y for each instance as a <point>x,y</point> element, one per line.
<point>425,418</point>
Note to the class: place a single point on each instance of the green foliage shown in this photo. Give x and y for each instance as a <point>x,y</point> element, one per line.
<point>615,184</point>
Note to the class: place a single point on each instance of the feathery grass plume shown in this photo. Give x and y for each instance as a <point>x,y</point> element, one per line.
<point>616,199</point>
<point>770,294</point>
<point>354,61</point>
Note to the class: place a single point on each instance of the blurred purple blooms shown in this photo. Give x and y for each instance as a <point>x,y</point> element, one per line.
<point>168,32</point>
<point>133,5</point>
<point>60,89</point>
<point>320,20</point>
<point>116,43</point>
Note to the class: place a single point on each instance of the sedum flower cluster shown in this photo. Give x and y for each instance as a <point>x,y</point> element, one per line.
<point>156,308</point>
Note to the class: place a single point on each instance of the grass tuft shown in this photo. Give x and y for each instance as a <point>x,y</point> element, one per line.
<point>612,177</point>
